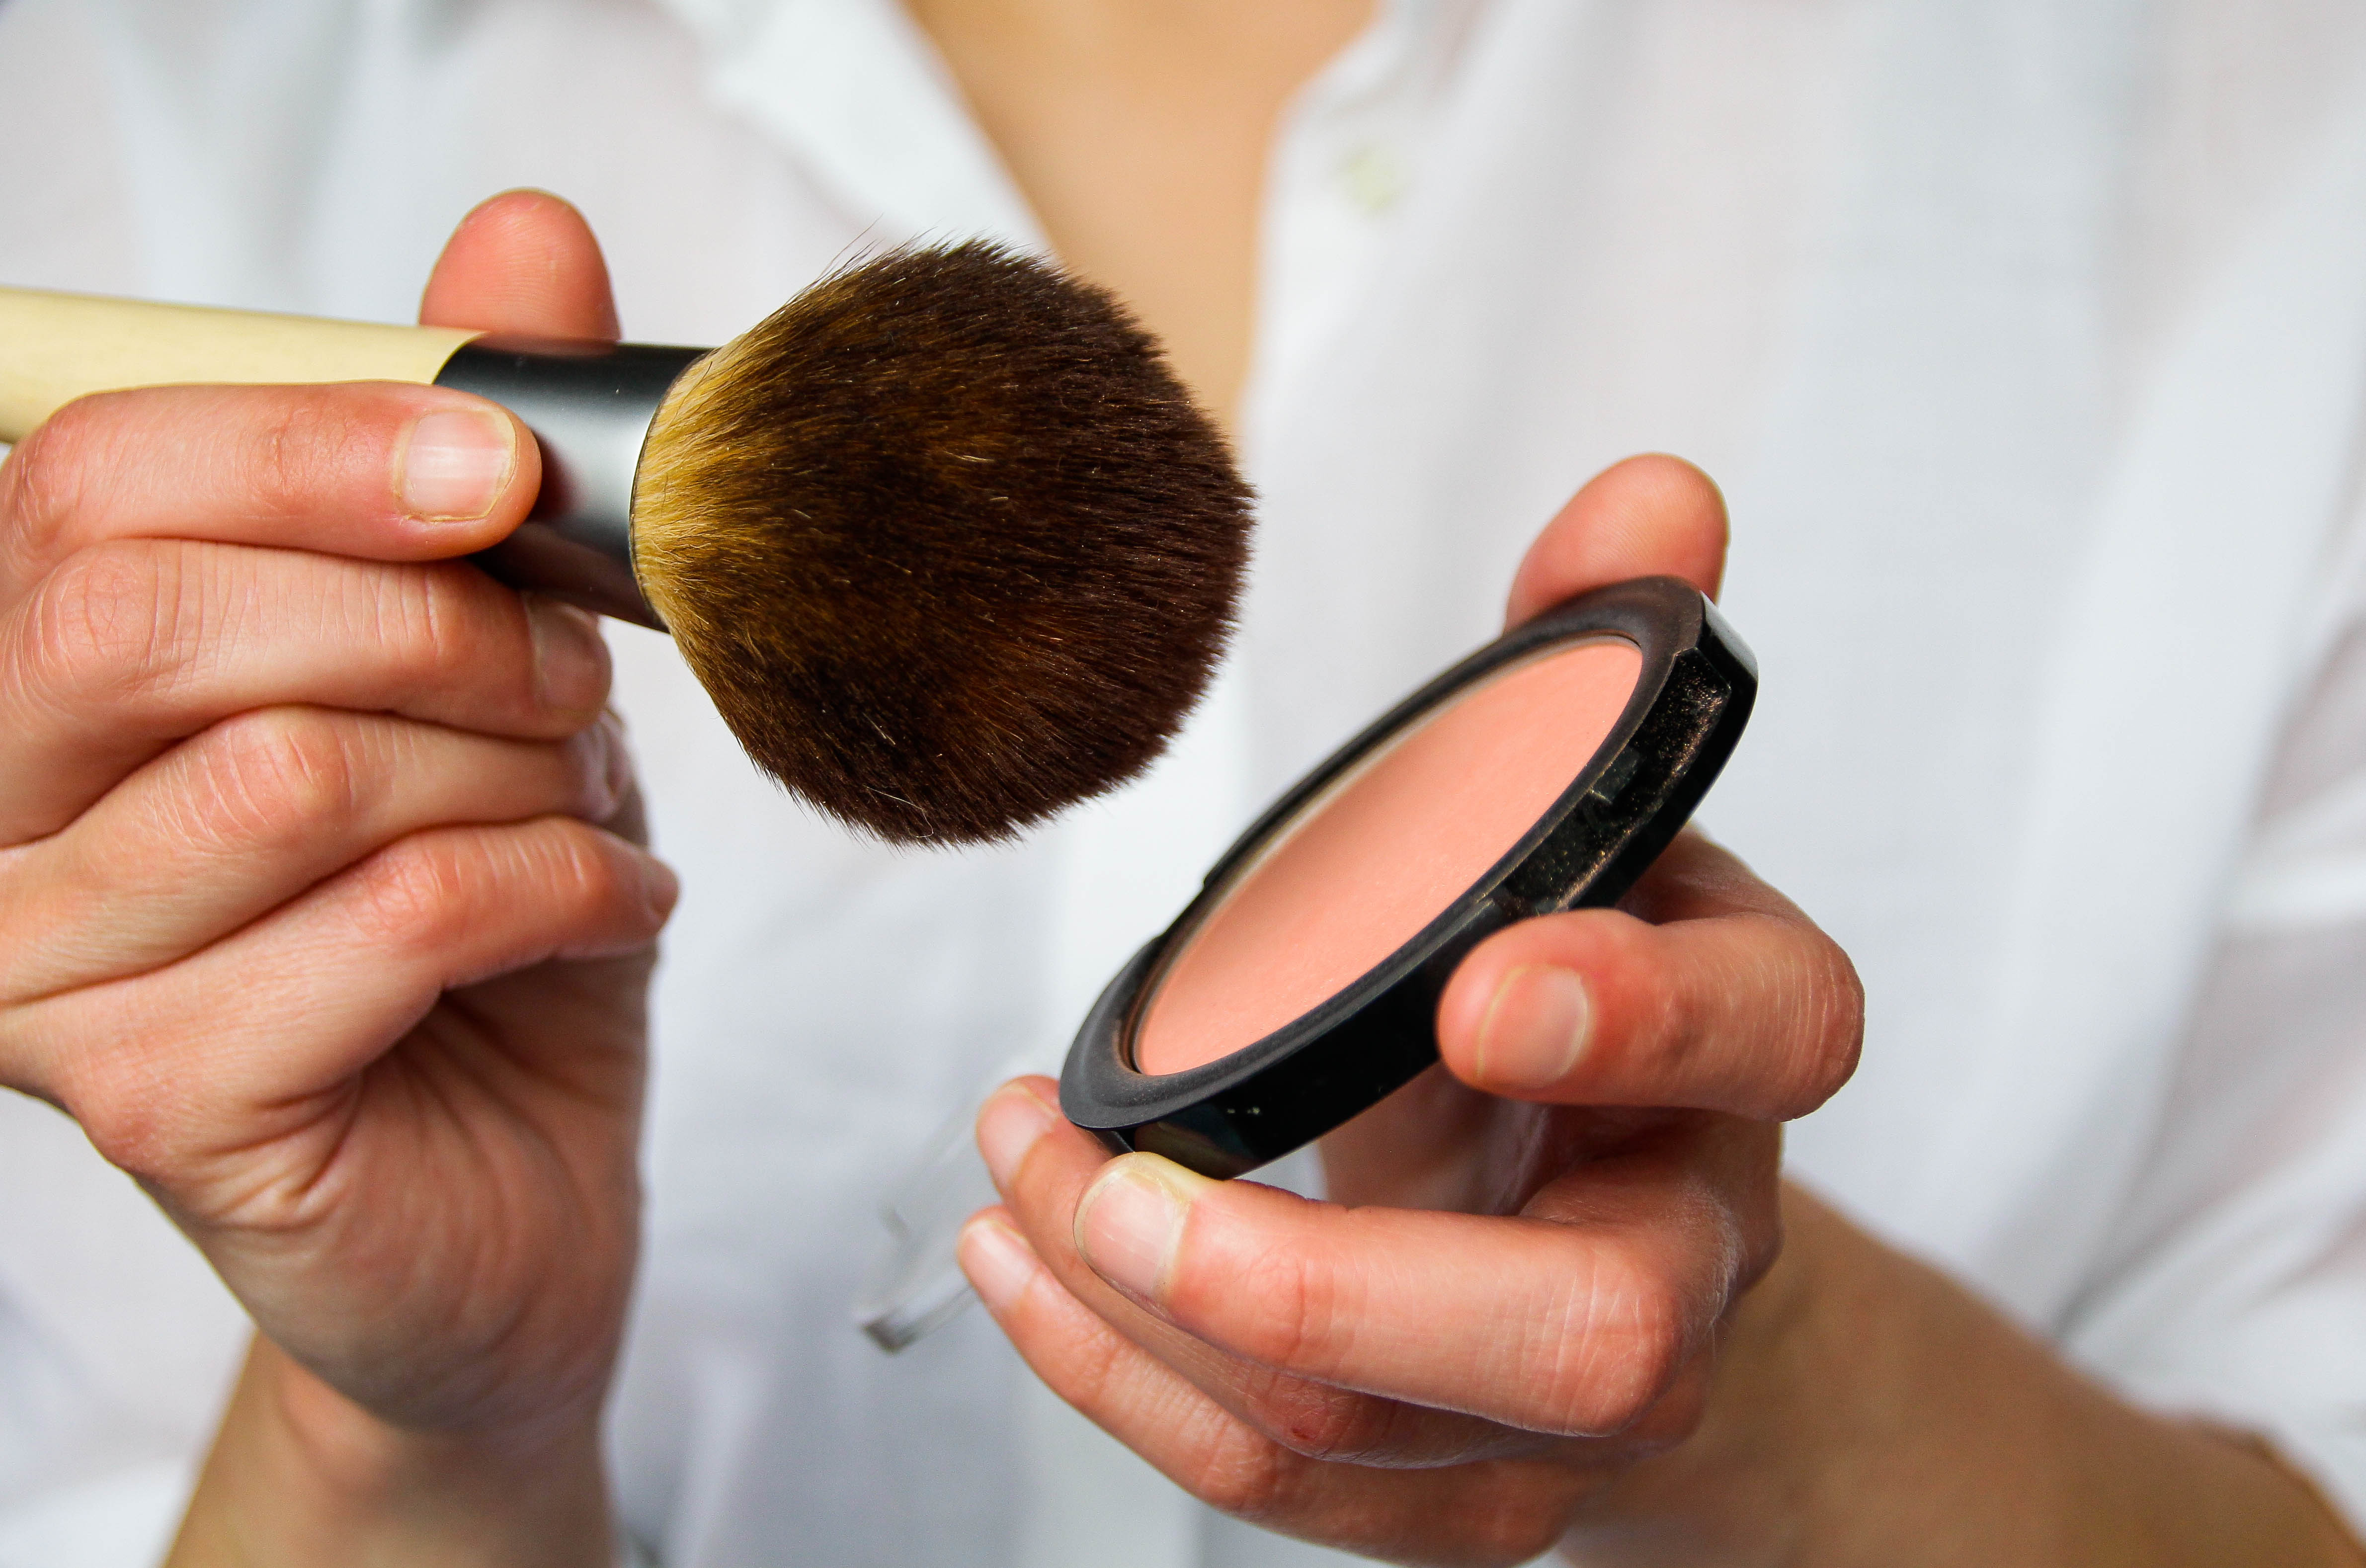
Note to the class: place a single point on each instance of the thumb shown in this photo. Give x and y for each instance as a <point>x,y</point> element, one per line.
<point>1645,516</point>
<point>522,262</point>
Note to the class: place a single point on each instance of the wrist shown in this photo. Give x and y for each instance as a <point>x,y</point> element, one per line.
<point>1866,1409</point>
<point>299,1474</point>
<point>1787,1418</point>
<point>350,1451</point>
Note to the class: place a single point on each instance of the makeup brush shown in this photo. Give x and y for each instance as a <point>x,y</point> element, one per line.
<point>944,537</point>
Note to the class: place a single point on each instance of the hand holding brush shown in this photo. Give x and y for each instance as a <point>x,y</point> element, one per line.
<point>323,913</point>
<point>946,541</point>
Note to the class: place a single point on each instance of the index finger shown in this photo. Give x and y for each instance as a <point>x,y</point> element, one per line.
<point>1649,516</point>
<point>379,470</point>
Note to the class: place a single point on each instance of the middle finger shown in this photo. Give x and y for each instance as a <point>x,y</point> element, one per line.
<point>1706,989</point>
<point>131,646</point>
<point>253,811</point>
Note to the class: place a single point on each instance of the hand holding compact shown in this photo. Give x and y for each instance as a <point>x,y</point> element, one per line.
<point>1525,1301</point>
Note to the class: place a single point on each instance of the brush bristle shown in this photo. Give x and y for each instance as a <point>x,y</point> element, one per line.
<point>945,539</point>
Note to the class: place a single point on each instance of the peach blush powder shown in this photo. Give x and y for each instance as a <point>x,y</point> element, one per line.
<point>1385,851</point>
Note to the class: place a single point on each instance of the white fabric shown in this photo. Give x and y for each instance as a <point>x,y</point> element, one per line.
<point>2027,337</point>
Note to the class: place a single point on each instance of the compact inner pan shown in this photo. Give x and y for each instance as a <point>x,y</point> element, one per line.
<point>1368,864</point>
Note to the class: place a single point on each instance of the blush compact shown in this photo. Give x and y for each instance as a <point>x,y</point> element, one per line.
<point>1543,773</point>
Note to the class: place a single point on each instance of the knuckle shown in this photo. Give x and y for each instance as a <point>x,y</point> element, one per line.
<point>1664,1017</point>
<point>1319,1423</point>
<point>1093,1377</point>
<point>103,613</point>
<point>294,452</point>
<point>1676,1417</point>
<point>583,874</point>
<point>426,894</point>
<point>437,627</point>
<point>1248,1477</point>
<point>45,484</point>
<point>408,615</point>
<point>278,776</point>
<point>108,619</point>
<point>1226,1464</point>
<point>416,894</point>
<point>1827,1017</point>
<point>1298,1322</point>
<point>1656,1020</point>
<point>1738,1215</point>
<point>1520,1530</point>
<point>125,1110</point>
<point>1630,1343</point>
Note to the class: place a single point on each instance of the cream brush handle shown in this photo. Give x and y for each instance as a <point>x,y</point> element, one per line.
<point>589,405</point>
<point>57,347</point>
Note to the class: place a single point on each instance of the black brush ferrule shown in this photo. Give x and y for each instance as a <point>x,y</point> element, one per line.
<point>589,405</point>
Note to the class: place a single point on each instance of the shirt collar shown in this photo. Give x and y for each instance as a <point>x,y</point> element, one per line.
<point>856,91</point>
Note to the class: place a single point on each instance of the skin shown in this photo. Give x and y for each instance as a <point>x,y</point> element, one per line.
<point>1138,133</point>
<point>324,916</point>
<point>322,912</point>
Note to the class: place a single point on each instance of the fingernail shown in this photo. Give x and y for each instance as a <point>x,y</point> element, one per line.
<point>607,770</point>
<point>1007,1126</point>
<point>455,464</point>
<point>570,661</point>
<point>998,1260</point>
<point>1535,1029</point>
<point>620,761</point>
<point>660,885</point>
<point>1129,1223</point>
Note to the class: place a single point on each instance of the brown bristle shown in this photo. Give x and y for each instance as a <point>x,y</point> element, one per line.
<point>945,539</point>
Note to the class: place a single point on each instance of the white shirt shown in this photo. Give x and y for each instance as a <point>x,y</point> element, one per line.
<point>2029,339</point>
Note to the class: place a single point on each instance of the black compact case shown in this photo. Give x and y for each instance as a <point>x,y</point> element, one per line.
<point>1692,697</point>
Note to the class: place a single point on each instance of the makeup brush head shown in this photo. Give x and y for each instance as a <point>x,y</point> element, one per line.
<point>945,539</point>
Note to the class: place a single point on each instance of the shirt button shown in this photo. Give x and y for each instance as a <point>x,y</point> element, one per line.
<point>1372,178</point>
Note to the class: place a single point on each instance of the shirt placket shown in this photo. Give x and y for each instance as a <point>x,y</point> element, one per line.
<point>1344,159</point>
<point>856,95</point>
